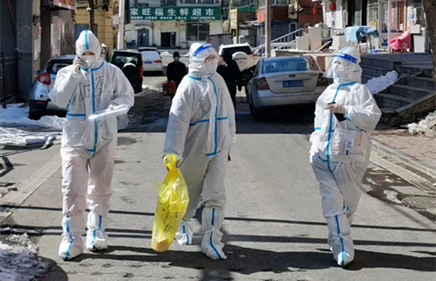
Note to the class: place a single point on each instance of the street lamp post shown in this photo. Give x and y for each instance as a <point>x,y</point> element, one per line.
<point>120,43</point>
<point>91,15</point>
<point>268,28</point>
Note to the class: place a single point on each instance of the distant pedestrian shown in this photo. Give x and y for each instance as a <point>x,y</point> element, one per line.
<point>232,76</point>
<point>176,70</point>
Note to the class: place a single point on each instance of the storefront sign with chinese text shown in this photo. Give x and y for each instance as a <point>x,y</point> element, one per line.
<point>175,13</point>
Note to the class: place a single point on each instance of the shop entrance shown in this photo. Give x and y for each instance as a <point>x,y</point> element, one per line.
<point>168,39</point>
<point>143,38</point>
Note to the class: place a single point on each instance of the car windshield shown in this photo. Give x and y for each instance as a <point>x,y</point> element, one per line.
<point>150,55</point>
<point>120,59</point>
<point>285,65</point>
<point>54,66</point>
<point>232,50</point>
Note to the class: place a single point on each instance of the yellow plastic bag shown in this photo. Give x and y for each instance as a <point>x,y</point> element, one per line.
<point>171,206</point>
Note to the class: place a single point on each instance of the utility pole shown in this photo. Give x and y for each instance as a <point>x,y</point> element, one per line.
<point>91,16</point>
<point>389,23</point>
<point>268,29</point>
<point>121,8</point>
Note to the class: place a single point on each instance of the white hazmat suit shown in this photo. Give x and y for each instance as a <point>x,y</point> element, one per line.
<point>88,147</point>
<point>341,147</point>
<point>200,132</point>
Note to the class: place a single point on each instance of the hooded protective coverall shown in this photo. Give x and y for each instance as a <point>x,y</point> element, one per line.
<point>340,149</point>
<point>201,130</point>
<point>88,147</point>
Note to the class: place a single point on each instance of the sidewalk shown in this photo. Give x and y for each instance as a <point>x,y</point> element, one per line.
<point>417,151</point>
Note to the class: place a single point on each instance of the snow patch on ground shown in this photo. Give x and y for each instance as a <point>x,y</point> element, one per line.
<point>148,89</point>
<point>16,115</point>
<point>29,133</point>
<point>16,137</point>
<point>19,261</point>
<point>166,54</point>
<point>376,85</point>
<point>23,240</point>
<point>423,125</point>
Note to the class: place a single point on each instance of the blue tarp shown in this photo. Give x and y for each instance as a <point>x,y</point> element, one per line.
<point>355,33</point>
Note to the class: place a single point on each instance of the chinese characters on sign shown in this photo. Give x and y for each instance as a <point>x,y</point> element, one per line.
<point>175,13</point>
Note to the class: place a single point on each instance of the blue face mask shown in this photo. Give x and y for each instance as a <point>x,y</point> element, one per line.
<point>176,58</point>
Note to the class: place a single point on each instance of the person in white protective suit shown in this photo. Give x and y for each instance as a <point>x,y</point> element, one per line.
<point>88,147</point>
<point>345,116</point>
<point>201,130</point>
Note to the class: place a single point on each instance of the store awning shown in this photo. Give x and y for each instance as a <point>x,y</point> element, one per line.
<point>276,22</point>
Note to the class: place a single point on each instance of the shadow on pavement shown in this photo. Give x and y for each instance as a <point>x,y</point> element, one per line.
<point>228,238</point>
<point>248,261</point>
<point>369,259</point>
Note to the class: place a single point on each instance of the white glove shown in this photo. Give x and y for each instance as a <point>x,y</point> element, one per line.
<point>336,108</point>
<point>77,63</point>
<point>112,106</point>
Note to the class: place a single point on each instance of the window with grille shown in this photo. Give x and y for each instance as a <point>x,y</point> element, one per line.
<point>168,3</point>
<point>278,3</point>
<point>372,12</point>
<point>197,31</point>
<point>420,14</point>
<point>200,2</point>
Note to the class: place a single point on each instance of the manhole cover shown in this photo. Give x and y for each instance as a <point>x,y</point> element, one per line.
<point>421,202</point>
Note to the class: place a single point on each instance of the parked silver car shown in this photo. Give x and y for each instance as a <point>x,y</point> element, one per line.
<point>284,81</point>
<point>39,101</point>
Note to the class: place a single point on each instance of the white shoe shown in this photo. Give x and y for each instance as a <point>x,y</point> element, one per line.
<point>184,234</point>
<point>71,246</point>
<point>96,240</point>
<point>343,250</point>
<point>212,246</point>
<point>340,240</point>
<point>211,222</point>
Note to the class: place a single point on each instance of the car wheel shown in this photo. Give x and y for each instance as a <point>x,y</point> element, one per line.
<point>34,115</point>
<point>257,115</point>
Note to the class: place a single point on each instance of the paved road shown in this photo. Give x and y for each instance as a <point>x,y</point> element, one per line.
<point>274,228</point>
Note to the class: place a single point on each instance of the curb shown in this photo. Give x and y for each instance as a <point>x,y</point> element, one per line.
<point>393,153</point>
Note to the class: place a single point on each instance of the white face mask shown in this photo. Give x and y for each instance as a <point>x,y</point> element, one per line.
<point>88,61</point>
<point>338,69</point>
<point>211,66</point>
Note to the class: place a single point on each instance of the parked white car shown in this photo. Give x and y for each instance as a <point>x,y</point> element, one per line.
<point>39,102</point>
<point>152,61</point>
<point>242,54</point>
<point>284,81</point>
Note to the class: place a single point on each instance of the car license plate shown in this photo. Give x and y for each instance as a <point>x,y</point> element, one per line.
<point>148,62</point>
<point>293,84</point>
